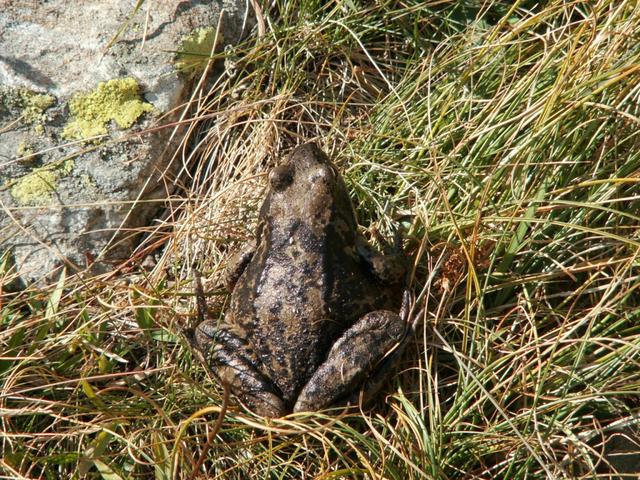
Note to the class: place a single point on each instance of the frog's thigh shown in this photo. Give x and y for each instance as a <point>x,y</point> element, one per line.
<point>234,362</point>
<point>351,359</point>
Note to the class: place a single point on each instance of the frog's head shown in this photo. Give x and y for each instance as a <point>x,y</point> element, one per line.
<point>306,167</point>
<point>306,187</point>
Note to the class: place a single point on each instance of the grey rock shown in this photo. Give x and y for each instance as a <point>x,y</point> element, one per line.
<point>65,200</point>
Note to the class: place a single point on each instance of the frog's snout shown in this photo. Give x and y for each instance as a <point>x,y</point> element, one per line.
<point>281,177</point>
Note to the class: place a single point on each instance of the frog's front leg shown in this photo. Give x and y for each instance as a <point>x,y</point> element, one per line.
<point>351,360</point>
<point>237,263</point>
<point>234,362</point>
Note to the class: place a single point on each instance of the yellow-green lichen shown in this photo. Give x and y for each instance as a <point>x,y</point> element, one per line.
<point>118,100</point>
<point>30,105</point>
<point>34,106</point>
<point>195,50</point>
<point>88,182</point>
<point>66,168</point>
<point>37,187</point>
<point>25,151</point>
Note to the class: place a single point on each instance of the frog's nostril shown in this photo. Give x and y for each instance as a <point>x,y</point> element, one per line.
<point>324,175</point>
<point>281,177</point>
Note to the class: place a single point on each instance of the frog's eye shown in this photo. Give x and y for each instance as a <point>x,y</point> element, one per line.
<point>281,177</point>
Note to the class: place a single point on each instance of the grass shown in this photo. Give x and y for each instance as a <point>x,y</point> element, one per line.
<point>504,138</point>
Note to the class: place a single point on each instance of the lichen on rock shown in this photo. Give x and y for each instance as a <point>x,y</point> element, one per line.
<point>37,187</point>
<point>118,100</point>
<point>195,50</point>
<point>25,151</point>
<point>30,105</point>
<point>34,105</point>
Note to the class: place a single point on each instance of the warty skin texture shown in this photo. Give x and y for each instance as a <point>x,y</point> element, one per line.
<point>313,307</point>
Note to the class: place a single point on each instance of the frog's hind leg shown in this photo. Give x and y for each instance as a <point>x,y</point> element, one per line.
<point>233,361</point>
<point>352,360</point>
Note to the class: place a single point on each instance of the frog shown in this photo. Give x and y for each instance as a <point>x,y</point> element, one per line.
<point>314,308</point>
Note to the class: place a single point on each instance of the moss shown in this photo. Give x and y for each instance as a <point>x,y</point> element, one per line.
<point>195,50</point>
<point>118,100</point>
<point>37,187</point>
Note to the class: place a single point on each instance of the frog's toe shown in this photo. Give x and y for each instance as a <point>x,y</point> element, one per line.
<point>252,388</point>
<point>264,403</point>
<point>234,362</point>
<point>352,359</point>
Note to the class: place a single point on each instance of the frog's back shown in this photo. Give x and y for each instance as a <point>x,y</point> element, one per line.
<point>296,298</point>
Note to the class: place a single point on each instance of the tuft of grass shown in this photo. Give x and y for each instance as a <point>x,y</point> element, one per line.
<point>503,136</point>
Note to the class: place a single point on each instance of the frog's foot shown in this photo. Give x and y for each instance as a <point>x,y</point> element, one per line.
<point>389,267</point>
<point>350,362</point>
<point>233,361</point>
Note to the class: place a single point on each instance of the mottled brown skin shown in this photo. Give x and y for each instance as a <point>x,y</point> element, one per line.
<point>312,310</point>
